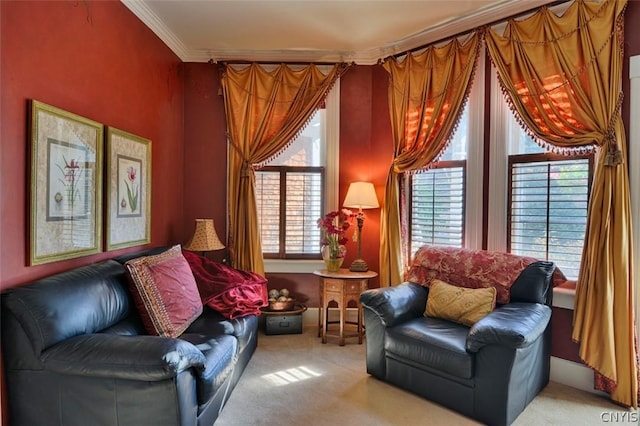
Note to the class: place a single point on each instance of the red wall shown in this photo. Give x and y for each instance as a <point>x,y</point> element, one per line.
<point>205,151</point>
<point>95,59</point>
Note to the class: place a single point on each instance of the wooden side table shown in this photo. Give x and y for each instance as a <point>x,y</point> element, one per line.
<point>342,287</point>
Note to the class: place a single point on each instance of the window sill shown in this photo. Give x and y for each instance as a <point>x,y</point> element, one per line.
<point>279,266</point>
<point>564,295</point>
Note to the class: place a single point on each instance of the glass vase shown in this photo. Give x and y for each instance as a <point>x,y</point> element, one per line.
<point>333,258</point>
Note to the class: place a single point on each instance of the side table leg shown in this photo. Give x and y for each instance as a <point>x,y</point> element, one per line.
<point>360,330</point>
<point>342,314</point>
<point>324,324</point>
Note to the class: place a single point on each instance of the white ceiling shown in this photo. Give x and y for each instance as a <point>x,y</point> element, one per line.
<point>360,31</point>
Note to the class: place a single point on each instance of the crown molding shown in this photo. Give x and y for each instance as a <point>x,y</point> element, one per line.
<point>448,29</point>
<point>153,21</point>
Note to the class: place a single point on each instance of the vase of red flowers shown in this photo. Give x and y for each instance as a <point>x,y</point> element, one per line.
<point>334,225</point>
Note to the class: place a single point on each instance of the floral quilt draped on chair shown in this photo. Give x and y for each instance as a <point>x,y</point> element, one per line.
<point>471,269</point>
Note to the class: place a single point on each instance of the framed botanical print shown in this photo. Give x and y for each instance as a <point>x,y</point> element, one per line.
<point>128,189</point>
<point>66,184</point>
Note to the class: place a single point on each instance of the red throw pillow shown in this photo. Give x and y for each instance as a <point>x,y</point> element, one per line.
<point>165,292</point>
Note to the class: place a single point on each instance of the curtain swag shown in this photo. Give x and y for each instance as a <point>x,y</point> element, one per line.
<point>427,94</point>
<point>265,111</point>
<point>562,77</point>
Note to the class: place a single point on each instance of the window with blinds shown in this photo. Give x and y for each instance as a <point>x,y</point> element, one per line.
<point>289,202</point>
<point>547,212</point>
<point>437,205</point>
<point>290,195</point>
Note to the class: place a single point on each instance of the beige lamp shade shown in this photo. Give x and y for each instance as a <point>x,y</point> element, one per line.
<point>361,195</point>
<point>205,237</point>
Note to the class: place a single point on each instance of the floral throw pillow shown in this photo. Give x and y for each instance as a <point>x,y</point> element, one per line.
<point>165,292</point>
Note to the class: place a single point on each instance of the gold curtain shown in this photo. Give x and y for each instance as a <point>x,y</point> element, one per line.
<point>427,92</point>
<point>265,110</point>
<point>562,76</point>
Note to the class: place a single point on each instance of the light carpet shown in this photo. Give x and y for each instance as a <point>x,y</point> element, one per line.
<point>296,380</point>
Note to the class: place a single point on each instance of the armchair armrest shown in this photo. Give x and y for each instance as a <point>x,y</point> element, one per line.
<point>396,304</point>
<point>148,358</point>
<point>515,325</point>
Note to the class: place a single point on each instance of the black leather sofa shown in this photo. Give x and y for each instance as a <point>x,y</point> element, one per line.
<point>76,353</point>
<point>489,372</point>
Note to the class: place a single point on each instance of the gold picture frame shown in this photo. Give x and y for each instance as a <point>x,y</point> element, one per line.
<point>66,184</point>
<point>128,189</point>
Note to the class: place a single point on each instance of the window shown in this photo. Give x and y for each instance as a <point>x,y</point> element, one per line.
<point>437,196</point>
<point>547,205</point>
<point>289,196</point>
<point>437,206</point>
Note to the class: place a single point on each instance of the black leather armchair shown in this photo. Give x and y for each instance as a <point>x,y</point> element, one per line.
<point>489,372</point>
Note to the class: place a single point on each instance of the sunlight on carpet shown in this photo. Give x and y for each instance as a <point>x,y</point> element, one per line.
<point>296,380</point>
<point>292,375</point>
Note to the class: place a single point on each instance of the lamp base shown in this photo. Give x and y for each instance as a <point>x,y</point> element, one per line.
<point>359,265</point>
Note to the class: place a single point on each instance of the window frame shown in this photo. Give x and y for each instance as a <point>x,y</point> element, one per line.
<point>542,157</point>
<point>331,151</point>
<point>283,171</point>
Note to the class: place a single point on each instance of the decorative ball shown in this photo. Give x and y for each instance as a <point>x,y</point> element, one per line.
<point>284,292</point>
<point>274,294</point>
<point>282,299</point>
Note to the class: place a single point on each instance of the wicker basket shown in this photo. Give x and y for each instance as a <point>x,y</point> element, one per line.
<point>281,306</point>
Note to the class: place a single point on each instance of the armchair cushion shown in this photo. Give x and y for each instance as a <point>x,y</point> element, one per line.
<point>165,292</point>
<point>432,342</point>
<point>458,304</point>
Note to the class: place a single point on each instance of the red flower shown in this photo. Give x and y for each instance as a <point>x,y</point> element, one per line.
<point>131,174</point>
<point>334,225</point>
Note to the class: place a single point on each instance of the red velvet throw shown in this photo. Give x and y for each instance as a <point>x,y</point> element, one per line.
<point>231,292</point>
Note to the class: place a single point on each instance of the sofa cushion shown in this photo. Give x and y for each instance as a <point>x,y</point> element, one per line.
<point>458,304</point>
<point>212,323</point>
<point>165,292</point>
<point>79,301</point>
<point>431,342</point>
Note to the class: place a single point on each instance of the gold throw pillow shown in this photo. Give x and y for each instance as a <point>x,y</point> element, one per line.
<point>462,305</point>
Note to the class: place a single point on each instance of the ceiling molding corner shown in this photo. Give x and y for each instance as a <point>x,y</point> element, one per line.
<point>153,22</point>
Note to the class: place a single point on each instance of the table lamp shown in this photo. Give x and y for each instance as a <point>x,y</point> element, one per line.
<point>360,195</point>
<point>204,237</point>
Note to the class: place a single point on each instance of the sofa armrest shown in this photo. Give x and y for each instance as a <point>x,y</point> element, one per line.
<point>396,304</point>
<point>515,325</point>
<point>148,358</point>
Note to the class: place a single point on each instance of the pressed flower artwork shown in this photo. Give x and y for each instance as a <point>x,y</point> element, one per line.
<point>129,186</point>
<point>69,181</point>
<point>129,190</point>
<point>66,185</point>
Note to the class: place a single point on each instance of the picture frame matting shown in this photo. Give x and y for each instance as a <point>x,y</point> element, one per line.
<point>65,184</point>
<point>128,214</point>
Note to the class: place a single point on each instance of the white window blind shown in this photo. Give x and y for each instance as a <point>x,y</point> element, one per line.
<point>437,206</point>
<point>548,201</point>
